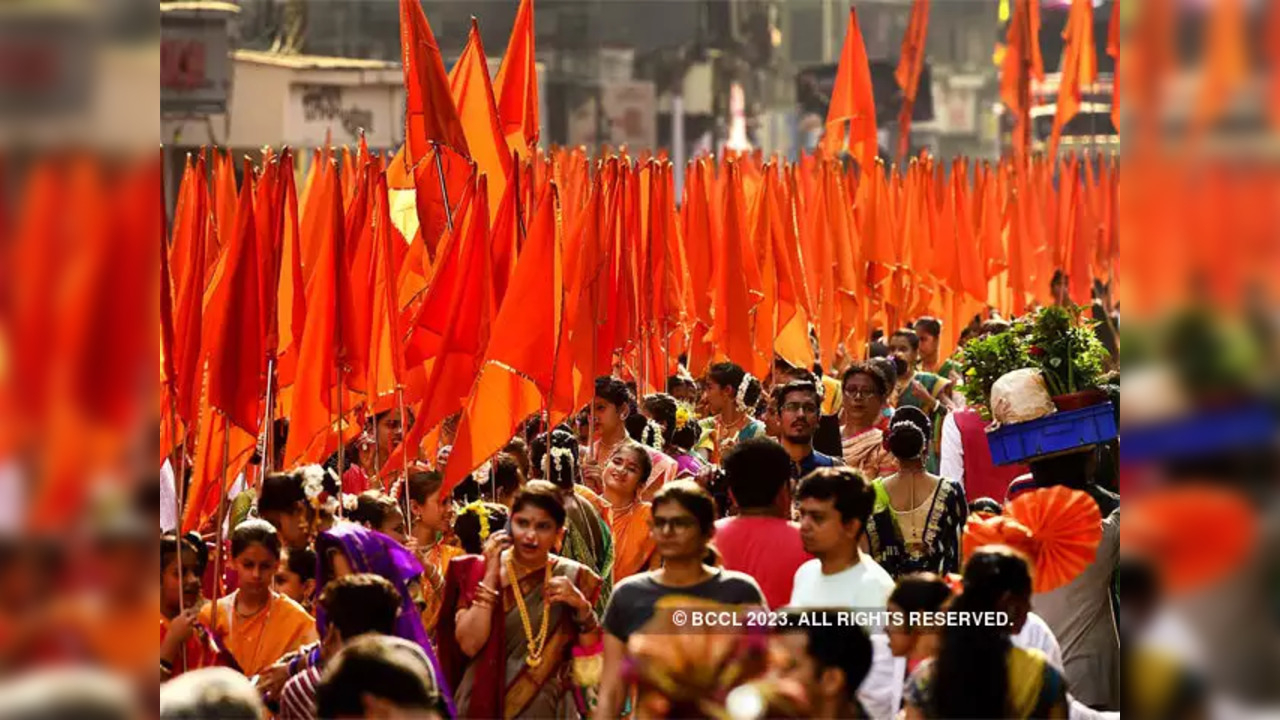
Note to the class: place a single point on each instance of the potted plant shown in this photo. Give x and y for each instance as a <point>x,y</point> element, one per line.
<point>1069,356</point>
<point>985,360</point>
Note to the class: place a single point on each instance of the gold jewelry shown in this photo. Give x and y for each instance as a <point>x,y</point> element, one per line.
<point>538,643</point>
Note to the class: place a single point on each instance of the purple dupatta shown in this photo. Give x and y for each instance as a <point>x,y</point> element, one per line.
<point>372,552</point>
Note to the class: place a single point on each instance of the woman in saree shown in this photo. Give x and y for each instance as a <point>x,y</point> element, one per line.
<point>185,644</point>
<point>625,473</point>
<point>865,391</point>
<point>587,536</point>
<point>522,615</point>
<point>918,517</point>
<point>978,671</point>
<point>257,625</point>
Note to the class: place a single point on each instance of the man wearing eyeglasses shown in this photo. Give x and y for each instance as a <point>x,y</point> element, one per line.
<point>799,408</point>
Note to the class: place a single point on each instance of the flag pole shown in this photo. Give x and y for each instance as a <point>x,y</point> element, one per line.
<point>179,472</point>
<point>266,449</point>
<point>404,458</point>
<point>219,521</point>
<point>444,191</point>
<point>515,159</point>
<point>342,446</point>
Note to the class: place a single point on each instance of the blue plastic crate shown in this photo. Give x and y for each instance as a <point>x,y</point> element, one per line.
<point>1053,433</point>
<point>1217,430</point>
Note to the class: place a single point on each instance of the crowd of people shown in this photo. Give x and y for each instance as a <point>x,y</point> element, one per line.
<point>542,585</point>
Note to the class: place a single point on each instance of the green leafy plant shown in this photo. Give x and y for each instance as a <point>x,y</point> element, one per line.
<point>985,360</point>
<point>1063,346</point>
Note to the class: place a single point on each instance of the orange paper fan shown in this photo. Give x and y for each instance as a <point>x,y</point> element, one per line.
<point>1166,526</point>
<point>986,529</point>
<point>1067,528</point>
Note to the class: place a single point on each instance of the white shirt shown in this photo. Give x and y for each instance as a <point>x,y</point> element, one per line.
<point>951,451</point>
<point>1036,634</point>
<point>865,586</point>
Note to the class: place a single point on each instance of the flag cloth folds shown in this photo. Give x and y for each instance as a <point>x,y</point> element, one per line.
<point>852,102</point>
<point>1079,67</point>
<point>430,115</point>
<point>910,63</point>
<point>517,85</point>
<point>527,366</point>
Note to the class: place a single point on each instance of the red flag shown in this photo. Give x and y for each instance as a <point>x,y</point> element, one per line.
<point>1079,67</point>
<point>430,115</point>
<point>232,318</point>
<point>910,63</point>
<point>517,85</point>
<point>527,366</point>
<point>473,93</point>
<point>700,249</point>
<point>852,101</point>
<point>1226,65</point>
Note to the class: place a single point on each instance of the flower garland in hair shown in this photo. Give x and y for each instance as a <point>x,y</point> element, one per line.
<point>651,436</point>
<point>561,459</point>
<point>743,387</point>
<point>482,513</point>
<point>313,477</point>
<point>683,416</point>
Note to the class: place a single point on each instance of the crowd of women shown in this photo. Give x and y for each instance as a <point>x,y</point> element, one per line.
<point>543,585</point>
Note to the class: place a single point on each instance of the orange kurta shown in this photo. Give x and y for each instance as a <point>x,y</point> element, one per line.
<point>257,642</point>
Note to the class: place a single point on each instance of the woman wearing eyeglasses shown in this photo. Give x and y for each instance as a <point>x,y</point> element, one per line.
<point>682,525</point>
<point>865,391</point>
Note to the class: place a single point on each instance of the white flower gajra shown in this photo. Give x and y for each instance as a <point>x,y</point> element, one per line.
<point>743,387</point>
<point>350,502</point>
<point>560,455</point>
<point>312,481</point>
<point>331,505</point>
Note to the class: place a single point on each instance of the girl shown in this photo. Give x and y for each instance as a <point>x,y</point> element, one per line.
<point>430,517</point>
<point>296,578</point>
<point>978,671</point>
<point>521,611</point>
<point>256,624</point>
<point>918,517</point>
<point>922,592</point>
<point>185,644</point>
<point>625,473</point>
<point>865,392</point>
<point>730,394</point>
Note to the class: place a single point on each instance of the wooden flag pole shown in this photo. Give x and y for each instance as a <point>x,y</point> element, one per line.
<point>179,472</point>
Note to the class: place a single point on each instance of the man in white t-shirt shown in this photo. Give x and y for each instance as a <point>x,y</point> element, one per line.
<point>834,506</point>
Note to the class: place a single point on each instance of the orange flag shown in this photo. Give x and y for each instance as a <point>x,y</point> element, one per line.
<point>291,302</point>
<point>1226,64</point>
<point>430,115</point>
<point>699,248</point>
<point>315,404</point>
<point>737,284</point>
<point>452,328</point>
<point>852,101</point>
<point>517,85</point>
<point>187,256</point>
<point>1019,67</point>
<point>473,93</point>
<point>386,341</point>
<point>1079,67</point>
<point>232,319</point>
<point>910,63</point>
<point>527,365</point>
<point>223,194</point>
<point>1113,49</point>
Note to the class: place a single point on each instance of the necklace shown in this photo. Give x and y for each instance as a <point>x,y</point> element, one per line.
<point>236,607</point>
<point>535,644</point>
